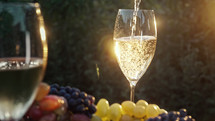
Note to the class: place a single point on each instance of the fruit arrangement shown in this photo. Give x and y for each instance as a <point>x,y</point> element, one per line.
<point>141,111</point>
<point>58,103</point>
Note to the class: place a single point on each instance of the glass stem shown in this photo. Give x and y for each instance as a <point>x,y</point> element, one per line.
<point>132,91</point>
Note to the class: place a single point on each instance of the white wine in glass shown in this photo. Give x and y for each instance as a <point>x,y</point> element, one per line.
<point>135,49</point>
<point>23,57</point>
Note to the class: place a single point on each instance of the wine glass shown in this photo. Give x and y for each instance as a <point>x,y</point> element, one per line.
<point>23,57</point>
<point>135,43</point>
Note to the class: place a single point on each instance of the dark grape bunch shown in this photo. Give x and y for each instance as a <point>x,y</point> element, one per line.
<point>79,102</point>
<point>180,115</point>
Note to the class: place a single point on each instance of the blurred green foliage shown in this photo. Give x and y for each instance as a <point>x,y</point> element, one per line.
<point>181,74</point>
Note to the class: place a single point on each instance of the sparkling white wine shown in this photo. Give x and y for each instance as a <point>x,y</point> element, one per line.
<point>134,55</point>
<point>18,83</point>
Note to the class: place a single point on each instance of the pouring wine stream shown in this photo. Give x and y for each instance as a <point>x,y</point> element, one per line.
<point>136,9</point>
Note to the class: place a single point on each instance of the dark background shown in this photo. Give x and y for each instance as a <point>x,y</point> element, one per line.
<point>181,74</point>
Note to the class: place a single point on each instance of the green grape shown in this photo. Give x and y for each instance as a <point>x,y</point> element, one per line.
<point>161,111</point>
<point>156,106</point>
<point>126,118</point>
<point>137,119</point>
<point>128,107</point>
<point>139,111</point>
<point>152,110</point>
<point>115,112</point>
<point>105,119</point>
<point>95,118</point>
<point>142,103</point>
<point>102,108</point>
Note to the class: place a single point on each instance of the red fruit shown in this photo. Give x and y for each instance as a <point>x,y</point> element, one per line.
<point>34,112</point>
<point>49,117</point>
<point>79,117</point>
<point>43,90</point>
<point>63,108</point>
<point>50,103</point>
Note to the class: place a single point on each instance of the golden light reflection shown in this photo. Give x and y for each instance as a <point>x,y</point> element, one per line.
<point>97,70</point>
<point>155,23</point>
<point>38,11</point>
<point>45,46</point>
<point>60,101</point>
<point>45,51</point>
<point>208,16</point>
<point>17,49</point>
<point>43,33</point>
<point>37,5</point>
<point>107,44</point>
<point>117,50</point>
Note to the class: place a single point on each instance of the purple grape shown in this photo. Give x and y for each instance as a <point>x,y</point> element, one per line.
<point>76,89</point>
<point>67,96</point>
<point>72,103</point>
<point>53,91</point>
<point>75,95</point>
<point>62,92</point>
<point>62,88</point>
<point>183,112</point>
<point>180,115</point>
<point>182,119</point>
<point>68,88</point>
<point>92,108</point>
<point>78,102</point>
<point>150,119</point>
<point>83,95</point>
<point>91,98</point>
<point>55,86</point>
<point>86,102</point>
<point>80,109</point>
<point>158,118</point>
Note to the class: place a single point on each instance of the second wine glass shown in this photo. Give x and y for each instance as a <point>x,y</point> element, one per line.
<point>135,46</point>
<point>23,57</point>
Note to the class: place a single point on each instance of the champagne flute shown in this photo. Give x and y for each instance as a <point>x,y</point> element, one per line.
<point>135,43</point>
<point>23,57</point>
